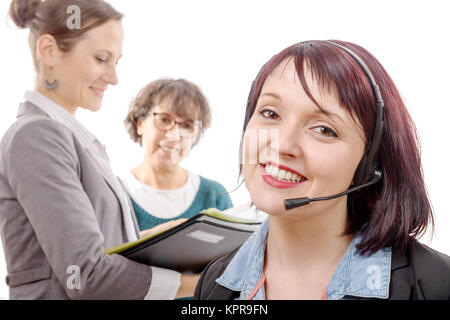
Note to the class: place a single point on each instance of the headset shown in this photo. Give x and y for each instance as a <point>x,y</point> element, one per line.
<point>368,171</point>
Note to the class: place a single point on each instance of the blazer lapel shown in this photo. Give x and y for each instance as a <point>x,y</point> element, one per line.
<point>402,278</point>
<point>98,156</point>
<point>114,184</point>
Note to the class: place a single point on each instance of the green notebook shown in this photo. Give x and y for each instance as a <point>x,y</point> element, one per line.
<point>191,245</point>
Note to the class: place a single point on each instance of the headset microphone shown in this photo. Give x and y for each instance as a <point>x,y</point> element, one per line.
<point>299,202</point>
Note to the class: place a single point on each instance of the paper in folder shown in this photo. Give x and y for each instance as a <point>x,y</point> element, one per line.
<point>191,245</point>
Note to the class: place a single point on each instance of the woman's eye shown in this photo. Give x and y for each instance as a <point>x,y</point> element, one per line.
<point>187,126</point>
<point>326,131</point>
<point>101,60</point>
<point>266,113</point>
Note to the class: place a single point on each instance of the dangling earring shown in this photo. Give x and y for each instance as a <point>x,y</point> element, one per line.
<point>47,73</point>
<point>51,86</point>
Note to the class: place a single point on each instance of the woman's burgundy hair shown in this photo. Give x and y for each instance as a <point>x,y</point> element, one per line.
<point>397,208</point>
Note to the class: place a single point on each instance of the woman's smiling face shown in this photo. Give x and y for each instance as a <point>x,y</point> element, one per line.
<point>165,148</point>
<point>85,72</point>
<point>293,149</point>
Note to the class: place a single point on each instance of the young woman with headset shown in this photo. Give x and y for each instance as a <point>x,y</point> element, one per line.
<point>336,166</point>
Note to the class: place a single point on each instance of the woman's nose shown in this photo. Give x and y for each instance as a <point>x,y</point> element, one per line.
<point>174,133</point>
<point>290,141</point>
<point>111,76</point>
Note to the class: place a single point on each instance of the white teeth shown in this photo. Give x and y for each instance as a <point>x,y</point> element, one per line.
<point>288,175</point>
<point>170,149</point>
<point>274,172</point>
<point>282,175</point>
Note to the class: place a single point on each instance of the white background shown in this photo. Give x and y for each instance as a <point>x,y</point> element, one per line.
<point>221,46</point>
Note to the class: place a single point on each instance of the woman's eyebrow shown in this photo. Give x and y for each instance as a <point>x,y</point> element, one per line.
<point>109,53</point>
<point>329,114</point>
<point>271,94</point>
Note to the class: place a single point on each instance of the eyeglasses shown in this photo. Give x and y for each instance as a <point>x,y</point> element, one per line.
<point>165,122</point>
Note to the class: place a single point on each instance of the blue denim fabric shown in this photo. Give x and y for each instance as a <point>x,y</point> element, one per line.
<point>355,277</point>
<point>246,268</point>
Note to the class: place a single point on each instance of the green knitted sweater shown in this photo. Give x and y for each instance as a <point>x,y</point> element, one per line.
<point>210,194</point>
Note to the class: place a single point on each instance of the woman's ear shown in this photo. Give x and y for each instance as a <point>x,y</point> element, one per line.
<point>139,128</point>
<point>47,50</point>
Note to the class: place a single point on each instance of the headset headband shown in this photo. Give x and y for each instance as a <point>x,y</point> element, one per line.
<point>370,161</point>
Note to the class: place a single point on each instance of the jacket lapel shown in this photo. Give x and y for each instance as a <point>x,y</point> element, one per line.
<point>28,108</point>
<point>402,278</point>
<point>114,185</point>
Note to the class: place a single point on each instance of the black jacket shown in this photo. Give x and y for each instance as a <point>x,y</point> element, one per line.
<point>419,273</point>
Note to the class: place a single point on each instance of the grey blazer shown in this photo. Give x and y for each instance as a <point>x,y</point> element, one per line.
<point>58,212</point>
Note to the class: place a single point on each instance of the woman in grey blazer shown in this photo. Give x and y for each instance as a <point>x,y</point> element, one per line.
<point>60,204</point>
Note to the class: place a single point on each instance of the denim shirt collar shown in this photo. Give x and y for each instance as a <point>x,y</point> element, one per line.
<point>355,277</point>
<point>246,268</point>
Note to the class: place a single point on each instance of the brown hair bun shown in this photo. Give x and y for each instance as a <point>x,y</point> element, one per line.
<point>23,11</point>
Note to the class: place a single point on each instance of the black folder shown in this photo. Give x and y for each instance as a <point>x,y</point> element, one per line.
<point>191,245</point>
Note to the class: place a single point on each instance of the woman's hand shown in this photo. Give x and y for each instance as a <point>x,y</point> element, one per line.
<point>161,227</point>
<point>188,283</point>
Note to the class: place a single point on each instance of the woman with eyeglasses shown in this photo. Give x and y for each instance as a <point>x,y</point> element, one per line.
<point>167,119</point>
<point>61,205</point>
